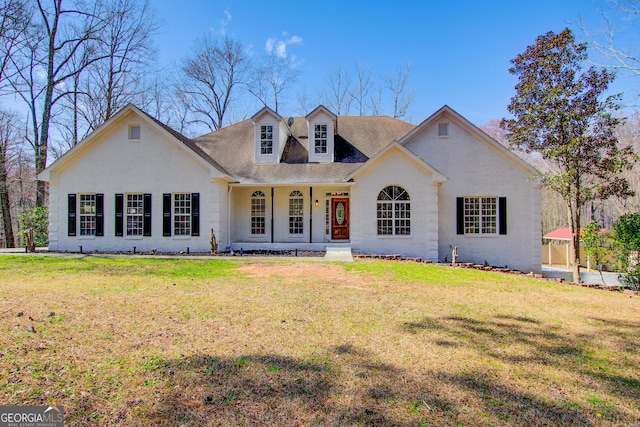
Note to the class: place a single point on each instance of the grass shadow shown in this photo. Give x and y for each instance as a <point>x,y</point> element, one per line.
<point>257,389</point>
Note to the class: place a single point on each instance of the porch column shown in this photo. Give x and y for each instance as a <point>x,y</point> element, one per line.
<point>310,214</point>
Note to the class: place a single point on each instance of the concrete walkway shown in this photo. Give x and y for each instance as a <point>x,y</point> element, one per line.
<point>333,254</point>
<point>590,277</point>
<point>338,253</point>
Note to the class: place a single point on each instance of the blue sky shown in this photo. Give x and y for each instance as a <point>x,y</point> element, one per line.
<point>459,50</point>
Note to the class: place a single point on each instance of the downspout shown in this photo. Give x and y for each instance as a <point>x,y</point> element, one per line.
<point>271,214</point>
<point>310,214</point>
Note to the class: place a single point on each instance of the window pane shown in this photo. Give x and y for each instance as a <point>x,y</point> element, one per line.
<point>182,214</point>
<point>87,214</point>
<point>480,215</point>
<point>296,212</point>
<point>135,209</point>
<point>320,139</point>
<point>266,139</point>
<point>258,209</point>
<point>394,211</point>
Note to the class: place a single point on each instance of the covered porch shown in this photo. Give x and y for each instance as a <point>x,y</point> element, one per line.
<point>288,216</point>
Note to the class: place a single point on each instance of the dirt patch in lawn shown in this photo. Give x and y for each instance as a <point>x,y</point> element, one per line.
<point>294,272</point>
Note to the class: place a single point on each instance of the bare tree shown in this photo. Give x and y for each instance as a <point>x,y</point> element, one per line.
<point>402,97</point>
<point>620,18</point>
<point>14,22</point>
<point>162,99</point>
<point>271,79</point>
<point>305,105</point>
<point>125,45</point>
<point>9,140</point>
<point>375,101</point>
<point>107,85</point>
<point>339,96</point>
<point>211,74</point>
<point>45,67</point>
<point>362,88</point>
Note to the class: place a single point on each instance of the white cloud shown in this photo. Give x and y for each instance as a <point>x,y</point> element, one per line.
<point>222,30</point>
<point>269,45</point>
<point>279,47</point>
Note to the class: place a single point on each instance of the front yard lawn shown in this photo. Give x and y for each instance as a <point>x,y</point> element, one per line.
<point>183,342</point>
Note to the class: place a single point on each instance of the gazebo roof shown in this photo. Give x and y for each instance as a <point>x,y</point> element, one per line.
<point>564,233</point>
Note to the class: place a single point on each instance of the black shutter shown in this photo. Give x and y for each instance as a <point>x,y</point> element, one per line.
<point>146,219</point>
<point>119,214</point>
<point>166,214</point>
<point>459,215</point>
<point>502,215</point>
<point>99,214</point>
<point>71,229</point>
<point>195,214</point>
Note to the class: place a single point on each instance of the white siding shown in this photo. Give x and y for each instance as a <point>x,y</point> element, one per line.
<point>395,168</point>
<point>111,164</point>
<point>476,168</point>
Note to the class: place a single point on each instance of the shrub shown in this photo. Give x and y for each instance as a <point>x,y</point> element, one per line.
<point>627,241</point>
<point>36,219</point>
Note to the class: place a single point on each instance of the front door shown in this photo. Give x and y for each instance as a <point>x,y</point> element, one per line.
<point>339,219</point>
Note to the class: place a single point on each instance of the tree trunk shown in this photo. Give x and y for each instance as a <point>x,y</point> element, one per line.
<point>5,205</point>
<point>573,213</point>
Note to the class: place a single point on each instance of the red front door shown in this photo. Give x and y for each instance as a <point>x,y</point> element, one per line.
<point>339,219</point>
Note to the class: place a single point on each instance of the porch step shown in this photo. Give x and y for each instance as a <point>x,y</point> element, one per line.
<point>338,253</point>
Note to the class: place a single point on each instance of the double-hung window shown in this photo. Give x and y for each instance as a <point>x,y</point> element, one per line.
<point>481,215</point>
<point>258,206</point>
<point>182,214</point>
<point>296,209</point>
<point>135,214</point>
<point>394,211</point>
<point>87,214</point>
<point>266,139</point>
<point>320,139</point>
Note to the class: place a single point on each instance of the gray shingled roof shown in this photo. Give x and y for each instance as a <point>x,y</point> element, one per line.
<point>357,140</point>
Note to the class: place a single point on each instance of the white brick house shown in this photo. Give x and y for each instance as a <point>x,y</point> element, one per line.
<point>376,184</point>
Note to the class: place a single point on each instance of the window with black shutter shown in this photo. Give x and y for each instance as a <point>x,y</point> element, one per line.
<point>146,222</point>
<point>502,215</point>
<point>119,208</point>
<point>99,214</point>
<point>166,214</point>
<point>195,214</point>
<point>71,223</point>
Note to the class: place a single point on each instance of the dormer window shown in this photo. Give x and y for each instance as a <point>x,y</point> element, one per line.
<point>322,130</point>
<point>320,139</point>
<point>266,139</point>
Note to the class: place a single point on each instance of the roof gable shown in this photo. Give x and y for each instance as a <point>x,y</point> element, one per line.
<point>182,141</point>
<point>451,115</point>
<point>320,109</point>
<point>268,111</point>
<point>438,177</point>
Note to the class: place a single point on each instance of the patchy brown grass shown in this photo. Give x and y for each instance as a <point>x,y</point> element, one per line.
<point>208,343</point>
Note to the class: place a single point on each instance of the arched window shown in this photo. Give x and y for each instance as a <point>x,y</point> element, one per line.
<point>296,209</point>
<point>257,212</point>
<point>394,211</point>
